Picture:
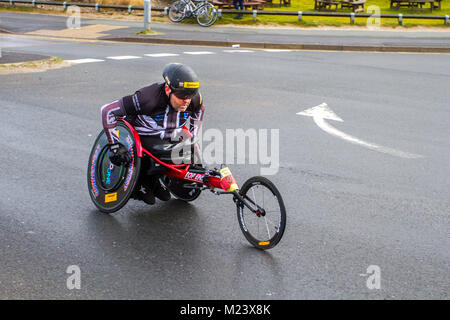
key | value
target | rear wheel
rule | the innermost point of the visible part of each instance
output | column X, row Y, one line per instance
column 177, row 11
column 181, row 189
column 265, row 228
column 207, row 15
column 111, row 186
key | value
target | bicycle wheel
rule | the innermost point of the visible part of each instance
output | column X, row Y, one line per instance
column 263, row 229
column 177, row 11
column 206, row 15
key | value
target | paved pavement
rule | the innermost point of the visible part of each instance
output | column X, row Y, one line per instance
column 348, row 207
column 291, row 36
column 226, row 36
column 17, row 57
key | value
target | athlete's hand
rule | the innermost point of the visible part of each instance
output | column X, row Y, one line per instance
column 119, row 155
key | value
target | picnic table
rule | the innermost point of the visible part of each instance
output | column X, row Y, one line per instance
column 355, row 5
column 282, row 2
column 415, row 4
column 326, row 4
column 228, row 4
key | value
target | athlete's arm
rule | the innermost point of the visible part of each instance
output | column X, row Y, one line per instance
column 110, row 112
column 196, row 117
column 127, row 106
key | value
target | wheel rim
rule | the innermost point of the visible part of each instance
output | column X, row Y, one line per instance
column 176, row 12
column 110, row 196
column 262, row 227
column 109, row 175
column 206, row 15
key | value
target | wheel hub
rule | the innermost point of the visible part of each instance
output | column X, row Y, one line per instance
column 260, row 213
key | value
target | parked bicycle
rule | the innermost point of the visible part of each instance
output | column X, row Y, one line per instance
column 204, row 11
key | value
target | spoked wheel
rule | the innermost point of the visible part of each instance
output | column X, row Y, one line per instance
column 179, row 190
column 265, row 228
column 207, row 15
column 176, row 11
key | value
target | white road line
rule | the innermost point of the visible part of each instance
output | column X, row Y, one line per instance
column 123, row 57
column 276, row 50
column 157, row 55
column 198, row 52
column 237, row 51
column 87, row 60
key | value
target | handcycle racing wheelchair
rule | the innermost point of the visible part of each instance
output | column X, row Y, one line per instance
column 260, row 209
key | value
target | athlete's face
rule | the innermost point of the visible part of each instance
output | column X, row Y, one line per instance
column 179, row 103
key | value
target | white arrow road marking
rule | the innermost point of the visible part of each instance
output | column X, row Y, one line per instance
column 322, row 111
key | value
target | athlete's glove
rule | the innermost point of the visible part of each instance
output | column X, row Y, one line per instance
column 119, row 155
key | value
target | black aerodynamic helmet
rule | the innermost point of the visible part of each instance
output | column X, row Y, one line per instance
column 181, row 79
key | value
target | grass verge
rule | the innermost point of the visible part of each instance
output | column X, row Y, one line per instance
column 33, row 66
column 274, row 21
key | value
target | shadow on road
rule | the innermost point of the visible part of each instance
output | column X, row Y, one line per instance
column 147, row 230
column 257, row 266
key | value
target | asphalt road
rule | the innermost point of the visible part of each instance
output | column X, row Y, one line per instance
column 23, row 23
column 348, row 207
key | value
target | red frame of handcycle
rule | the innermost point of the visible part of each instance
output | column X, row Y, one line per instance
column 179, row 171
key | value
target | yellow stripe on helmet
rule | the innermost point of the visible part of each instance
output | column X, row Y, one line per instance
column 191, row 85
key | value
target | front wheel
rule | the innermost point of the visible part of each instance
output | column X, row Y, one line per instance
column 265, row 228
column 177, row 11
column 207, row 15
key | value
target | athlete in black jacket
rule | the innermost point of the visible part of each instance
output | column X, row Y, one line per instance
column 158, row 113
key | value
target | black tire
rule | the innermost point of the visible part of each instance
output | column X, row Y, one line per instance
column 207, row 15
column 257, row 228
column 176, row 11
column 110, row 186
column 177, row 189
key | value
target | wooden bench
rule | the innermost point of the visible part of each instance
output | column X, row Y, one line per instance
column 326, row 5
column 415, row 4
column 223, row 4
column 355, row 5
column 255, row 4
column 228, row 4
column 278, row 3
column 437, row 5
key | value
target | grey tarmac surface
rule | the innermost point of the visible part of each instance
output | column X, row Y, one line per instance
column 22, row 23
column 14, row 57
column 348, row 207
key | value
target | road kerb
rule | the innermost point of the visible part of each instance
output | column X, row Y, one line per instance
column 291, row 46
